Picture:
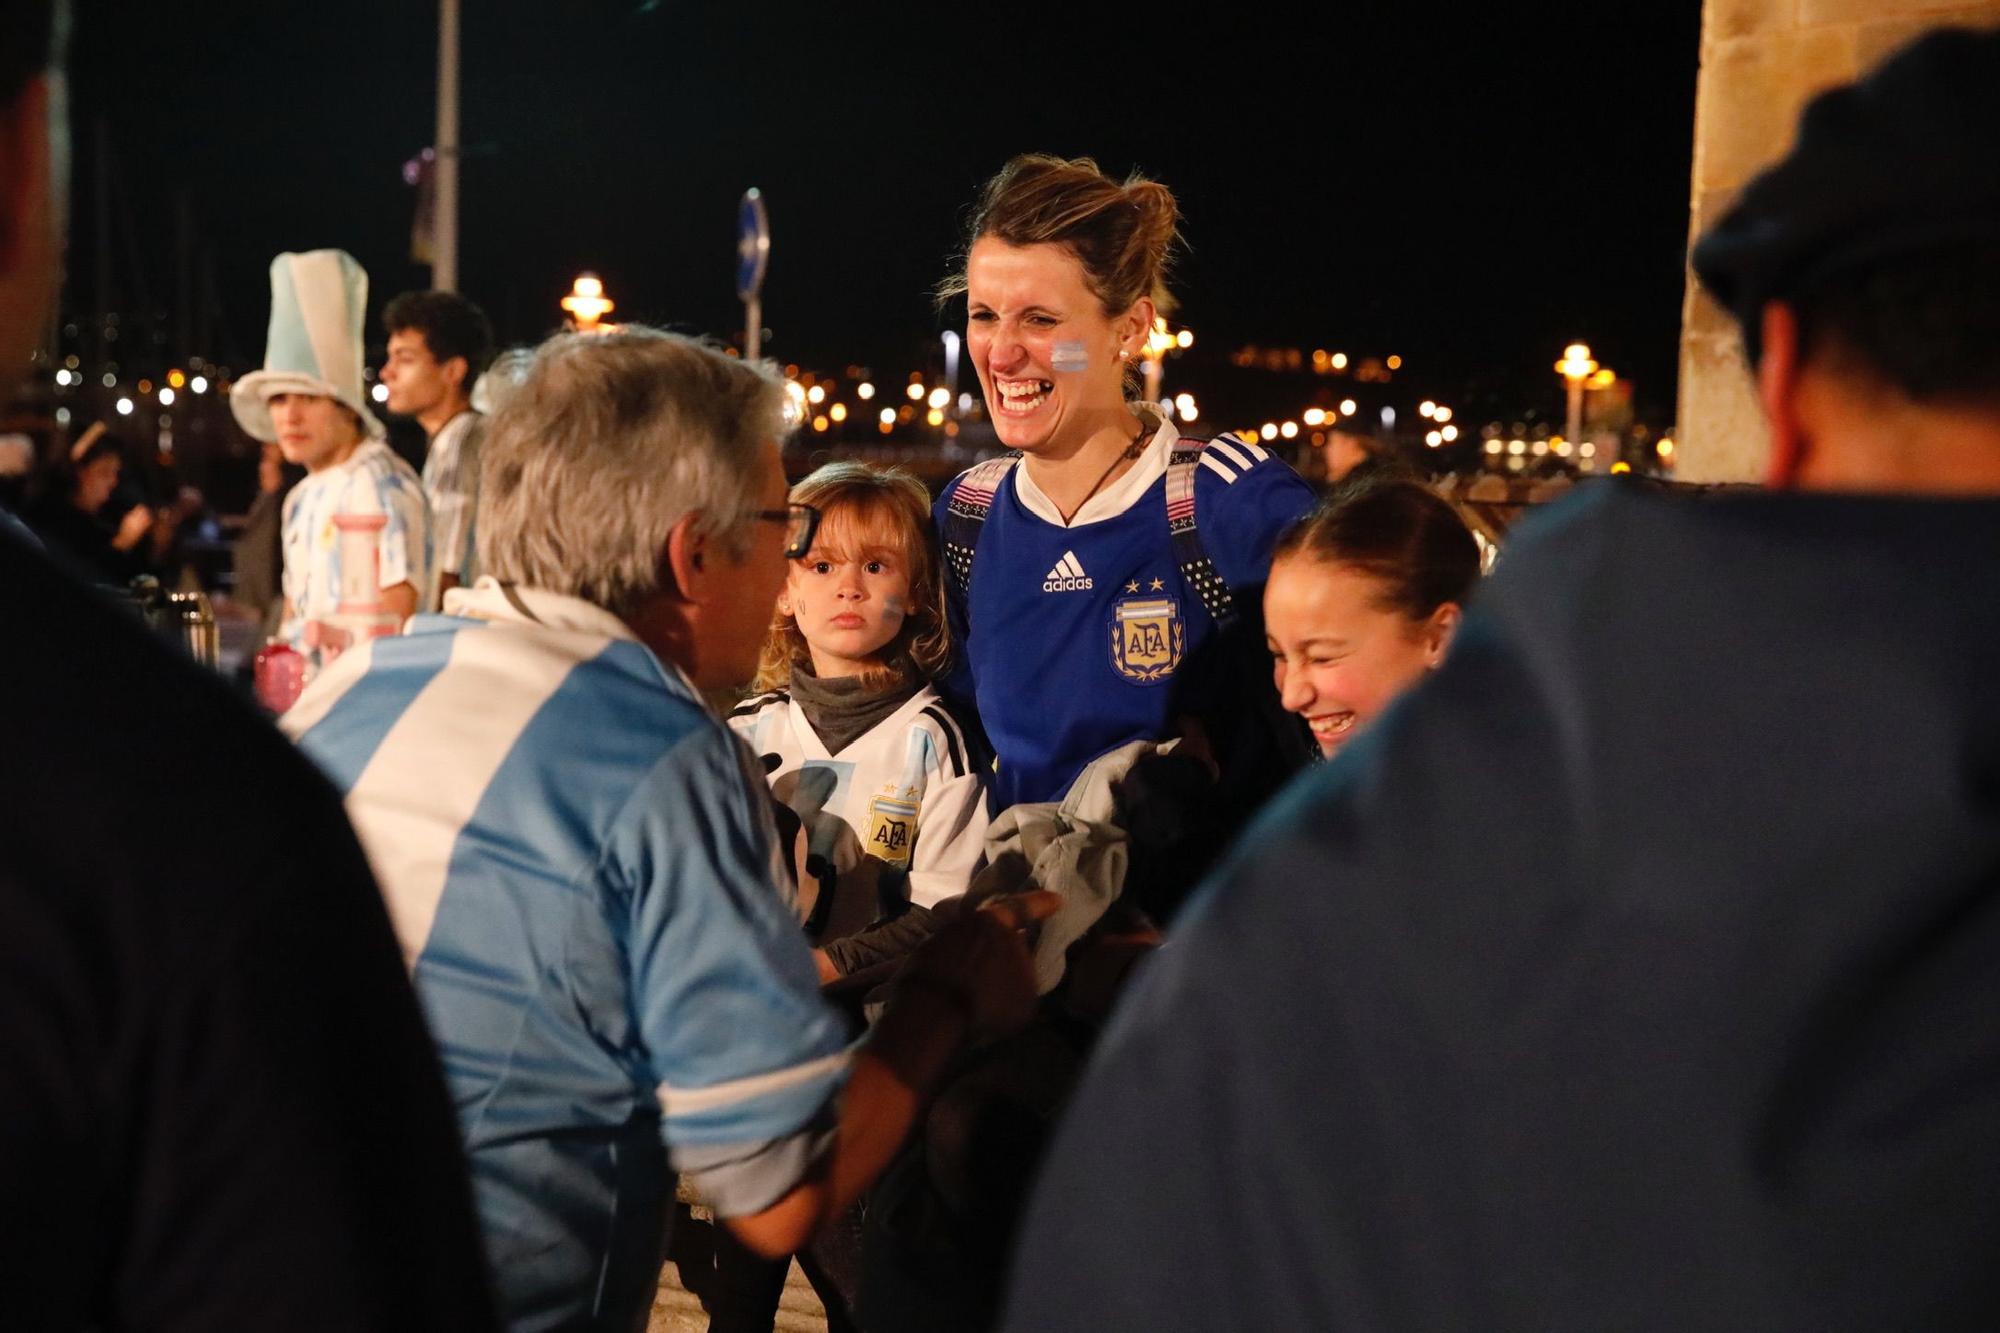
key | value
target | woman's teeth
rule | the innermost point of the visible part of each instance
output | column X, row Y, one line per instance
column 1023, row 395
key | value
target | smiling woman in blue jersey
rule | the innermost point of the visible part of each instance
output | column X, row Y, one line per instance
column 1087, row 567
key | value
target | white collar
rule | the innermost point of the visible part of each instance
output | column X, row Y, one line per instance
column 511, row 604
column 1119, row 497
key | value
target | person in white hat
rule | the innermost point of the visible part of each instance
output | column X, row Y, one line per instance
column 308, row 400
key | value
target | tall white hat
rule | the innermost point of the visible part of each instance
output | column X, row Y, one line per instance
column 319, row 301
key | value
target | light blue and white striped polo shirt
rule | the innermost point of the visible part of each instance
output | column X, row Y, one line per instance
column 577, row 858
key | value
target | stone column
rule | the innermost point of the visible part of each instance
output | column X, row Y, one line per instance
column 1761, row 62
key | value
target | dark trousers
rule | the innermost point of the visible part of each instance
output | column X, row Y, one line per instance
column 747, row 1287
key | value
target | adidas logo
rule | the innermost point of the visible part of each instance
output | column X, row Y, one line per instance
column 1067, row 576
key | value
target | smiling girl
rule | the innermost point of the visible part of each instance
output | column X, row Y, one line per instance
column 873, row 762
column 1364, row 598
column 1091, row 565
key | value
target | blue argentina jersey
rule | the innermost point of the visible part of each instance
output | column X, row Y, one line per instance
column 577, row 860
column 1075, row 635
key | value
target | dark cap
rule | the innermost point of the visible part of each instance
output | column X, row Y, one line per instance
column 1906, row 160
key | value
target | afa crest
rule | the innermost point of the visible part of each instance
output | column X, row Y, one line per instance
column 892, row 830
column 1148, row 636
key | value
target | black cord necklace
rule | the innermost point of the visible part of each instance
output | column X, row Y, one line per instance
column 1131, row 451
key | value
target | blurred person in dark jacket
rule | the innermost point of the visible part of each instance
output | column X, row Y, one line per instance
column 258, row 555
column 219, row 1107
column 1636, row 969
column 74, row 515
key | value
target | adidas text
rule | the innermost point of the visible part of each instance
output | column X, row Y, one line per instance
column 1067, row 576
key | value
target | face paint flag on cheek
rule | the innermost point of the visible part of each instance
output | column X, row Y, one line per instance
column 1069, row 356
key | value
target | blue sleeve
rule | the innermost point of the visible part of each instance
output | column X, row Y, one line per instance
column 1244, row 499
column 744, row 1051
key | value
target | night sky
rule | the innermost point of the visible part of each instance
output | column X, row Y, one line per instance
column 1468, row 186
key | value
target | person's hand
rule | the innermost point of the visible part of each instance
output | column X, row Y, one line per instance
column 980, row 961
column 1098, row 966
column 331, row 640
column 133, row 527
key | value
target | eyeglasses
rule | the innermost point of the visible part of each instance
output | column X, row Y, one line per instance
column 801, row 524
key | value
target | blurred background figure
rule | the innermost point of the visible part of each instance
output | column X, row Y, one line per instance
column 1352, row 453
column 74, row 515
column 439, row 344
column 17, row 469
column 258, row 557
column 309, row 400
column 491, row 390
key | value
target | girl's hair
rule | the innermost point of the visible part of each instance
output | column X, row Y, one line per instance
column 860, row 506
column 1122, row 234
column 1399, row 534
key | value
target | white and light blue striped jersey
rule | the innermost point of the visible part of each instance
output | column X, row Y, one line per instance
column 372, row 480
column 908, row 793
column 577, row 858
column 451, row 484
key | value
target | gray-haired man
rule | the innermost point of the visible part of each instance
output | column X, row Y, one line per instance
column 577, row 856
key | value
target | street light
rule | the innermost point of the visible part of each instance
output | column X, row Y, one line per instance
column 952, row 344
column 1575, row 367
column 1158, row 343
column 587, row 303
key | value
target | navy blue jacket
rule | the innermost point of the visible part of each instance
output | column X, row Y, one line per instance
column 1640, row 971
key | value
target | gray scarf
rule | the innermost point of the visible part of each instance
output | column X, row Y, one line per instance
column 842, row 710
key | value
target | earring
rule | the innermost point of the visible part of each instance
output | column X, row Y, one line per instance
column 1124, row 355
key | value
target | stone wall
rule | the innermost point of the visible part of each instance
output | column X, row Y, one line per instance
column 1761, row 62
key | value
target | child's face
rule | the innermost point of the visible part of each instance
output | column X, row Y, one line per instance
column 1338, row 657
column 849, row 599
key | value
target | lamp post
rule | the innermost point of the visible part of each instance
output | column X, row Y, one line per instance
column 952, row 344
column 444, row 200
column 1575, row 368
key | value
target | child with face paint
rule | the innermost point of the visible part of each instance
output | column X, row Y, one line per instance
column 882, row 774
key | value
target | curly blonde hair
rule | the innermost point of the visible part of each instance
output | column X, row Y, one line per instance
column 860, row 505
